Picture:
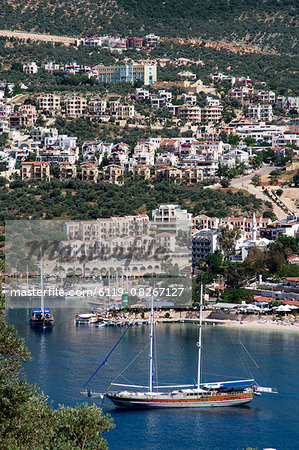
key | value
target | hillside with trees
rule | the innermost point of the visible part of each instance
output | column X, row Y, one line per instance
column 265, row 24
column 27, row 418
column 75, row 199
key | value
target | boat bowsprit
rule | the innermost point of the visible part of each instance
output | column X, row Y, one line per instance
column 89, row 393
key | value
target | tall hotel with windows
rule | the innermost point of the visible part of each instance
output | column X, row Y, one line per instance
column 128, row 73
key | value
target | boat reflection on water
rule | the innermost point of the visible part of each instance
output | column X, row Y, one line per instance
column 40, row 330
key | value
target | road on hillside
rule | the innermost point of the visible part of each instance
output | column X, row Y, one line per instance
column 218, row 45
column 37, row 36
column 245, row 183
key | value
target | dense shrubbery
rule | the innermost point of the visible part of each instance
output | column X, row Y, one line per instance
column 271, row 262
column 217, row 20
column 79, row 200
column 27, row 421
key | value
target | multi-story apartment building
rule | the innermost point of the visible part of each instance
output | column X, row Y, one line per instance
column 288, row 102
column 124, row 111
column 204, row 243
column 209, row 167
column 4, row 125
column 167, row 95
column 90, row 172
column 57, row 155
column 141, row 157
column 218, row 77
column 29, row 113
column 113, row 174
column 61, row 140
column 190, row 113
column 51, row 66
column 135, row 42
column 245, row 224
column 288, row 227
column 170, row 174
column 141, row 94
column 49, row 102
column 240, row 93
column 166, row 159
column 6, row 110
column 260, row 132
column 151, row 39
column 30, row 68
column 108, row 228
column 172, row 218
column 98, row 106
column 189, row 99
column 293, row 125
column 265, row 96
column 128, row 73
column 36, row 170
column 157, row 102
column 211, row 113
column 192, row 175
column 141, row 171
column 260, row 112
column 25, row 117
column 67, row 170
column 203, row 222
column 40, row 133
column 75, row 105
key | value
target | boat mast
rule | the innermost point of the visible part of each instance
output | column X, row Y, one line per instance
column 151, row 347
column 42, row 284
column 199, row 339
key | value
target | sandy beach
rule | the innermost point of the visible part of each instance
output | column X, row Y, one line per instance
column 264, row 325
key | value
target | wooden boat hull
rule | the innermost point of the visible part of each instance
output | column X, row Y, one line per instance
column 198, row 402
column 41, row 323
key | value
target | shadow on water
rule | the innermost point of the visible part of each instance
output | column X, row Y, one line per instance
column 39, row 331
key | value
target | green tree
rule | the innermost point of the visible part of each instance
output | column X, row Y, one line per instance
column 255, row 262
column 233, row 139
column 296, row 179
column 276, row 257
column 269, row 215
column 27, row 421
column 236, row 296
column 249, row 141
column 256, row 180
column 228, row 239
column 235, row 275
column 3, row 139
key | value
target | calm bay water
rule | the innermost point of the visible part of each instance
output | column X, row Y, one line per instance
column 66, row 356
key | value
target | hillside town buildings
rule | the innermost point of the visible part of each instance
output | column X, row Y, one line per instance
column 128, row 73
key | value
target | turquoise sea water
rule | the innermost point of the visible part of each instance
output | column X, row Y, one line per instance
column 66, row 356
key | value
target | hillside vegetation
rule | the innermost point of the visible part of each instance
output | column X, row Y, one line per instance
column 74, row 199
column 268, row 23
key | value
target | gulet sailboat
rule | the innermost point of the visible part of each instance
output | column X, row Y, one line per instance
column 227, row 393
column 41, row 317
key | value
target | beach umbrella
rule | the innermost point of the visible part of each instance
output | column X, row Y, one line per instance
column 292, row 306
column 283, row 308
column 253, row 308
